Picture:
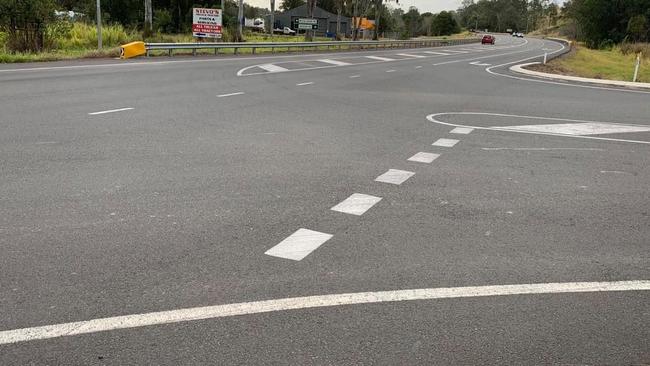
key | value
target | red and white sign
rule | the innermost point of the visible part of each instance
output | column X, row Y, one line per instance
column 206, row 23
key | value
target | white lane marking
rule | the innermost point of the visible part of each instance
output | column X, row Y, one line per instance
column 110, row 111
column 579, row 129
column 432, row 118
column 390, row 70
column 424, row 157
column 615, row 172
column 394, row 176
column 334, row 62
column 272, row 68
column 478, row 63
column 540, row 148
column 379, row 58
column 299, row 244
column 410, row 55
column 445, row 142
column 309, row 302
column 437, row 53
column 356, row 204
column 462, row 130
column 455, row 51
column 307, row 83
column 355, row 76
column 418, row 67
column 229, row 95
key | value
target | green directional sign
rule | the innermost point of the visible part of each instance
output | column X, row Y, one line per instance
column 307, row 26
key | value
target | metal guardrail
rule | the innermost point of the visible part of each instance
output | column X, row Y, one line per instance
column 349, row 45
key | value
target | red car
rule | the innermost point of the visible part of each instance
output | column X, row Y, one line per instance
column 487, row 39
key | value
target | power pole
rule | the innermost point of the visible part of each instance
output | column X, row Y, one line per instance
column 272, row 18
column 99, row 25
column 240, row 20
column 148, row 18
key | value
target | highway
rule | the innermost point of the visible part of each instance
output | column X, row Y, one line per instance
column 393, row 207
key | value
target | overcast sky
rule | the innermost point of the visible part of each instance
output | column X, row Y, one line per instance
column 433, row 6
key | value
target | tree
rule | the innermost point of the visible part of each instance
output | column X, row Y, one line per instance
column 444, row 24
column 637, row 28
column 25, row 22
column 291, row 4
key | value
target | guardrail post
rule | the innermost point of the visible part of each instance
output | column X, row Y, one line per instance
column 272, row 49
column 253, row 50
column 170, row 52
column 235, row 50
column 193, row 51
column 216, row 51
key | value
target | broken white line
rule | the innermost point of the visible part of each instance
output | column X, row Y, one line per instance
column 394, row 176
column 334, row 62
column 299, row 244
column 380, row 58
column 462, row 130
column 356, row 204
column 424, row 157
column 110, row 111
column 307, row 83
column 445, row 142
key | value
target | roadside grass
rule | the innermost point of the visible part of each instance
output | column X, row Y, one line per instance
column 600, row 64
column 68, row 41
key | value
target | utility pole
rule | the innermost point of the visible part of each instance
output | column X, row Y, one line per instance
column 99, row 25
column 272, row 18
column 240, row 21
column 148, row 18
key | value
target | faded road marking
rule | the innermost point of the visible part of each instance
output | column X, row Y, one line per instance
column 229, row 95
column 424, row 157
column 110, row 111
column 445, row 142
column 462, row 130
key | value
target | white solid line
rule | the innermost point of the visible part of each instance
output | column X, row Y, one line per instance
column 272, row 68
column 540, row 148
column 432, row 118
column 355, row 76
column 390, row 70
column 424, row 157
column 445, row 142
column 356, row 204
column 307, row 83
column 394, row 176
column 110, row 111
column 334, row 62
column 455, row 51
column 380, row 58
column 462, row 130
column 229, row 95
column 410, row 55
column 299, row 244
column 310, row 302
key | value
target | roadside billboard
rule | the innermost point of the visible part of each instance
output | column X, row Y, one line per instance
column 206, row 23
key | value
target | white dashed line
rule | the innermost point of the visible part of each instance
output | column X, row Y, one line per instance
column 424, row 157
column 309, row 302
column 390, row 70
column 299, row 244
column 410, row 55
column 272, row 68
column 334, row 62
column 462, row 130
column 380, row 58
column 355, row 76
column 356, row 204
column 418, row 67
column 445, row 142
column 229, row 95
column 110, row 111
column 394, row 176
column 307, row 83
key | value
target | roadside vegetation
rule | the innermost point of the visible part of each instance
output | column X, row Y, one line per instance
column 46, row 30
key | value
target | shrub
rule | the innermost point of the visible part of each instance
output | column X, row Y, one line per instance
column 635, row 48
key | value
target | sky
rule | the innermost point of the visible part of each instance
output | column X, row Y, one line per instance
column 424, row 6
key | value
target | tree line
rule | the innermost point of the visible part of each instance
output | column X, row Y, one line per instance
column 28, row 22
column 598, row 23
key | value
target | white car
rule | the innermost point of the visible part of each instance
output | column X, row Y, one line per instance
column 285, row 30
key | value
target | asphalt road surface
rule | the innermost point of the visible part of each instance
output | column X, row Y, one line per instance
column 418, row 206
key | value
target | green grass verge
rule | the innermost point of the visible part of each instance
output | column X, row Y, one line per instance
column 601, row 64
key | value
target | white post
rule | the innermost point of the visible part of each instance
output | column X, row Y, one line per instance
column 99, row 25
column 545, row 57
column 636, row 67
